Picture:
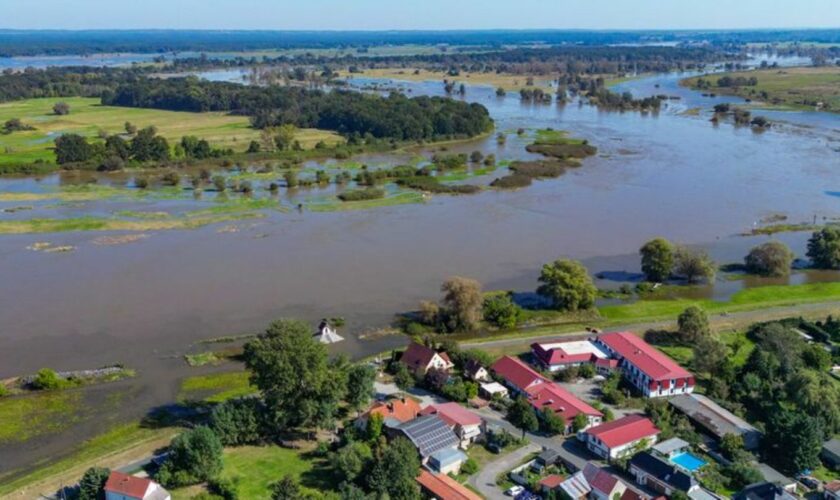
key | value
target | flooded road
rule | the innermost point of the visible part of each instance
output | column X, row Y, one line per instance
column 147, row 303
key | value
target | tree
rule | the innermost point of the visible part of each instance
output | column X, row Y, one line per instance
column 290, row 176
column 238, row 421
column 285, row 136
column 580, row 422
column 521, row 414
column 289, row 366
column 360, row 390
column 287, row 488
column 351, row 460
column 693, row 264
column 731, row 444
column 47, row 380
column 568, row 285
column 130, row 128
column 461, row 303
column 92, row 484
column 392, row 474
column 657, row 259
column 710, row 355
column 793, row 440
column 61, row 108
column 403, row 377
column 824, row 248
column 72, row 148
column 741, row 473
column 195, row 456
column 375, row 424
column 501, row 311
column 148, row 146
column 693, row 324
column 773, row 258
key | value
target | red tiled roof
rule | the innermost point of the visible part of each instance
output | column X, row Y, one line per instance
column 126, row 485
column 629, row 494
column 563, row 402
column 558, row 355
column 453, row 414
column 645, row 357
column 400, row 409
column 552, row 481
column 443, row 486
column 516, row 373
column 833, row 486
column 624, row 430
column 599, row 479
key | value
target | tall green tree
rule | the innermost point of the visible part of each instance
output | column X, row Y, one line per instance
column 568, row 285
column 824, row 248
column 92, row 484
column 462, row 299
column 693, row 265
column 72, row 148
column 195, row 456
column 693, row 325
column 521, row 414
column 290, row 368
column 393, row 472
column 288, row 488
column 793, row 440
column 773, row 258
column 360, row 379
column 657, row 259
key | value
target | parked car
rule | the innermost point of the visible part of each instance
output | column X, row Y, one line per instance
column 811, row 482
column 513, row 491
column 494, row 448
column 527, row 495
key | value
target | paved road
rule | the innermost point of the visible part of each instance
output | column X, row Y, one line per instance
column 485, row 480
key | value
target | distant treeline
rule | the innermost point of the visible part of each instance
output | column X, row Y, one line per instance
column 63, row 82
column 350, row 113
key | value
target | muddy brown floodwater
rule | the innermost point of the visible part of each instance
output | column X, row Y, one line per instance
column 148, row 302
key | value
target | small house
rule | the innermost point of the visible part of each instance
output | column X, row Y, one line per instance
column 491, row 390
column 420, row 359
column 620, row 437
column 474, row 371
column 764, row 491
column 121, row 486
column 443, row 487
column 661, row 476
column 394, row 412
column 447, row 460
column 603, row 485
column 549, row 483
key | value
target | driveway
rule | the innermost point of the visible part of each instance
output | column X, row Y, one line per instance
column 485, row 480
column 590, row 390
column 425, row 397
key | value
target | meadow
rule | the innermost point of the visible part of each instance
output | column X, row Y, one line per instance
column 88, row 117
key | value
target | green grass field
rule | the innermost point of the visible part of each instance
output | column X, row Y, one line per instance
column 31, row 415
column 87, row 117
column 785, row 86
column 216, row 387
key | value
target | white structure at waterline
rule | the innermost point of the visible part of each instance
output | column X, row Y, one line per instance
column 327, row 334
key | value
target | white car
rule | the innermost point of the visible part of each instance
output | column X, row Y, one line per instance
column 514, row 490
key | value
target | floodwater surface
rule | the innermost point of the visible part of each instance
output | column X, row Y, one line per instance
column 148, row 302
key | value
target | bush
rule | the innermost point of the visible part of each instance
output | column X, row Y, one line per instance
column 568, row 284
column 362, row 194
column 538, row 169
column 227, row 489
column 469, row 467
column 48, row 380
column 432, row 185
column 92, row 484
column 238, row 421
column 500, row 310
column 512, row 181
column 824, row 248
column 61, row 108
column 773, row 258
column 195, row 456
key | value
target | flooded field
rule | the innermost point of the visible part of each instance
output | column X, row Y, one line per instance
column 146, row 301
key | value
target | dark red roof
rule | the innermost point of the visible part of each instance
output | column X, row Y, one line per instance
column 452, row 414
column 418, row 356
column 517, row 373
column 126, row 485
column 443, row 486
column 623, row 431
column 645, row 357
column 558, row 356
column 561, row 401
column 599, row 479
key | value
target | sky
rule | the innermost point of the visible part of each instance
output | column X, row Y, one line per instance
column 418, row 14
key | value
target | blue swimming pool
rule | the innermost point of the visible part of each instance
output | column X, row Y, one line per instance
column 688, row 461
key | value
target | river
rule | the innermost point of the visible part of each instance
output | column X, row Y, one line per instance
column 147, row 303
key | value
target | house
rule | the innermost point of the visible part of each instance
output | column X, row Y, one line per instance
column 548, row 457
column 121, row 486
column 715, row 420
column 550, row 483
column 603, row 485
column 661, row 476
column 420, row 359
column 447, row 460
column 443, row 487
column 651, row 372
column 555, row 356
column 326, row 334
column 394, row 412
column 467, row 425
column 830, row 453
column 491, row 390
column 771, row 475
column 474, row 371
column 831, row 490
column 618, row 438
column 763, row 491
column 562, row 403
column 428, row 433
column 517, row 376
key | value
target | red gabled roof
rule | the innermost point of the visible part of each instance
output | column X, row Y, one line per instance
column 126, row 485
column 629, row 494
column 558, row 355
column 404, row 409
column 561, row 401
column 443, row 486
column 645, row 357
column 552, row 481
column 453, row 414
column 624, row 430
column 516, row 373
column 419, row 356
column 599, row 479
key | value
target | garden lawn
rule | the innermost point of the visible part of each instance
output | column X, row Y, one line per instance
column 258, row 467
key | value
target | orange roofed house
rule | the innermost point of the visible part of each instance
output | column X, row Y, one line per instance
column 420, row 359
column 394, row 411
column 125, row 487
column 443, row 487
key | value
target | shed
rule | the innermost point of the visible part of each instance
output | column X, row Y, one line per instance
column 830, row 452
column 447, row 460
column 715, row 419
